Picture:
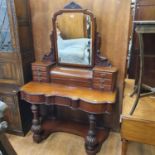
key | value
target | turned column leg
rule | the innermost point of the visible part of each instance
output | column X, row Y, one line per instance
column 124, row 146
column 36, row 126
column 91, row 140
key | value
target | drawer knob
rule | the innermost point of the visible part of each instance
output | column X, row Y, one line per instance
column 102, row 80
column 14, row 91
column 101, row 86
column 103, row 75
column 39, row 72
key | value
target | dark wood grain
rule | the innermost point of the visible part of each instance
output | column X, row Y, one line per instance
column 71, row 76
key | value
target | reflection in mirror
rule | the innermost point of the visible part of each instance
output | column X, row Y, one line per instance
column 5, row 36
column 74, row 38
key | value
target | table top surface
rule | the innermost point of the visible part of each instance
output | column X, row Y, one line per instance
column 83, row 93
column 145, row 109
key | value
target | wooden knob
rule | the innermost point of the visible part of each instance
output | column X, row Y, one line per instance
column 102, row 80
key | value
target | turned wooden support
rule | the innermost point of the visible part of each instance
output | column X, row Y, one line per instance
column 91, row 140
column 124, row 146
column 36, row 125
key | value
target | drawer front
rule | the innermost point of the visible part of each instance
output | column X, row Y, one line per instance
column 40, row 76
column 102, row 81
column 40, row 79
column 39, row 68
column 40, row 73
column 102, row 75
column 71, row 82
column 102, row 86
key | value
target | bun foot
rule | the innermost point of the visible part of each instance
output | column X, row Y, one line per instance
column 37, row 138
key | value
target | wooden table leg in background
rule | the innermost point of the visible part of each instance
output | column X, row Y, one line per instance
column 124, row 146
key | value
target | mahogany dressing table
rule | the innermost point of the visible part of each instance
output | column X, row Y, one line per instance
column 73, row 75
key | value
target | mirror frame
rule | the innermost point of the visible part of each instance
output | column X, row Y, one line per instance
column 74, row 8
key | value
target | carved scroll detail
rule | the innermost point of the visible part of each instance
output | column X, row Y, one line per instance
column 100, row 60
column 51, row 55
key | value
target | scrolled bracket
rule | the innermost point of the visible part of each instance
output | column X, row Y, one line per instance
column 100, row 60
column 50, row 57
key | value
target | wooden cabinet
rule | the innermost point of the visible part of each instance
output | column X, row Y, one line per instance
column 16, row 55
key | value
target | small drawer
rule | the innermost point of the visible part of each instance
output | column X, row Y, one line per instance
column 39, row 73
column 102, row 74
column 40, row 76
column 42, row 66
column 39, row 68
column 40, row 79
column 102, row 81
column 102, row 86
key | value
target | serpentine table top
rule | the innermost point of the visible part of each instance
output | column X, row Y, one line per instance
column 83, row 93
column 89, row 99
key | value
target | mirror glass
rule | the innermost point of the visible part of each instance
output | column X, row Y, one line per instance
column 74, row 38
column 5, row 36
